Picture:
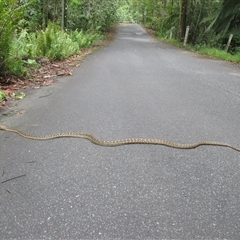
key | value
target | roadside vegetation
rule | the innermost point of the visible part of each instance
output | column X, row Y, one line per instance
column 53, row 29
column 35, row 33
column 210, row 23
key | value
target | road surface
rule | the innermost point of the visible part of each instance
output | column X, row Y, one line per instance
column 134, row 87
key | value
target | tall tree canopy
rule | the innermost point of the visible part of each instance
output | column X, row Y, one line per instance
column 165, row 16
column 81, row 14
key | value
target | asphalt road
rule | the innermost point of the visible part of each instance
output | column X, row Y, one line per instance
column 134, row 87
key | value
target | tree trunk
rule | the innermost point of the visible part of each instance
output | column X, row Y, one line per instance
column 164, row 4
column 182, row 19
column 198, row 22
column 44, row 14
column 64, row 14
column 88, row 9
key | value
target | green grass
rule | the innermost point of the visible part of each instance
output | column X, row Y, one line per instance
column 218, row 53
column 208, row 51
column 172, row 41
column 2, row 95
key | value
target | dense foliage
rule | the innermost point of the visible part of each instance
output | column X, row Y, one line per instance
column 210, row 21
column 79, row 14
column 10, row 13
column 49, row 28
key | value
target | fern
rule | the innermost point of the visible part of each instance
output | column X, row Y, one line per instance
column 51, row 42
column 10, row 14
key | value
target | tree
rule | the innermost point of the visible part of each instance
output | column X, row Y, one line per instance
column 64, row 14
column 182, row 18
column 227, row 17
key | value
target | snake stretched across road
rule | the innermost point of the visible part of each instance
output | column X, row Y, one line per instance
column 118, row 142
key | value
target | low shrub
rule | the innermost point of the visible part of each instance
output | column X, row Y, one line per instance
column 52, row 42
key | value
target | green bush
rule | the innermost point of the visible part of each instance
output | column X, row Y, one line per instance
column 10, row 13
column 17, row 68
column 52, row 42
column 84, row 39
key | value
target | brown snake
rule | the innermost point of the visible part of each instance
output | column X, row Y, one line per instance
column 96, row 141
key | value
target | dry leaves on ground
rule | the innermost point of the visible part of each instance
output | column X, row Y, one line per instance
column 43, row 75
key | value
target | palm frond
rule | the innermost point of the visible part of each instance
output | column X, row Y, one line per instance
column 227, row 17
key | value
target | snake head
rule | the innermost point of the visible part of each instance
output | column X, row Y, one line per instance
column 2, row 127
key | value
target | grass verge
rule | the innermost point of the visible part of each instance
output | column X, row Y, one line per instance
column 205, row 50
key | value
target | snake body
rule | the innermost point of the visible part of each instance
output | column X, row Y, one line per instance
column 97, row 141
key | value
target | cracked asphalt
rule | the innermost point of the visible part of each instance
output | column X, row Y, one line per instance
column 134, row 87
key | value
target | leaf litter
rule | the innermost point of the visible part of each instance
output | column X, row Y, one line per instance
column 13, row 88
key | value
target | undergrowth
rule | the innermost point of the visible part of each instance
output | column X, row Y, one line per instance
column 52, row 42
column 214, row 52
column 206, row 50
